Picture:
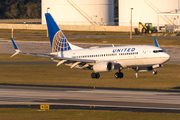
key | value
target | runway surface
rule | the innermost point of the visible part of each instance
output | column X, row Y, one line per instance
column 90, row 98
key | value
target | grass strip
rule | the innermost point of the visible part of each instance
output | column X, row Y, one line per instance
column 34, row 114
column 168, row 77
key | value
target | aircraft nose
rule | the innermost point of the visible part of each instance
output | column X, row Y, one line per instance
column 167, row 56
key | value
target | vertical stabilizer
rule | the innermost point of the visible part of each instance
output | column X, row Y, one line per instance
column 156, row 42
column 59, row 42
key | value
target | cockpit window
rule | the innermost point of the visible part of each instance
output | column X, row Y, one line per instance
column 157, row 51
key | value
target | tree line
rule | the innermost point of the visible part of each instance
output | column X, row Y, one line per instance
column 28, row 9
column 116, row 9
column 20, row 9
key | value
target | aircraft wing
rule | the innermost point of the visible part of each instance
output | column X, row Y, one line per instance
column 61, row 60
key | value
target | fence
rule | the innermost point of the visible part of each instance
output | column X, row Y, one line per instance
column 80, row 25
column 39, row 21
column 84, row 23
column 67, row 27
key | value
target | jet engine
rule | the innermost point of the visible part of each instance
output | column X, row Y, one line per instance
column 104, row 66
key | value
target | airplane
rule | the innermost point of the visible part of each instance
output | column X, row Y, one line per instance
column 141, row 58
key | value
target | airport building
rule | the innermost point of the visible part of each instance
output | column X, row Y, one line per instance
column 101, row 12
column 79, row 12
column 98, row 15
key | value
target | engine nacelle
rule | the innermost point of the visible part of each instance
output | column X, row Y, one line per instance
column 104, row 66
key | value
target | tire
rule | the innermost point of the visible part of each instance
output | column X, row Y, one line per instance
column 154, row 72
column 116, row 75
column 97, row 75
column 93, row 75
column 121, row 75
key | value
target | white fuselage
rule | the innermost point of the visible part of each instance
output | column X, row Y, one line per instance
column 127, row 56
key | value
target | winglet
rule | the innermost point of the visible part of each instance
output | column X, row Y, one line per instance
column 15, row 47
column 156, row 43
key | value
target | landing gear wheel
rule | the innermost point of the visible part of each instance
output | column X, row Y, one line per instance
column 154, row 72
column 95, row 75
column 118, row 75
column 121, row 75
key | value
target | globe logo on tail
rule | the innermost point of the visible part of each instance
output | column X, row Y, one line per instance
column 60, row 43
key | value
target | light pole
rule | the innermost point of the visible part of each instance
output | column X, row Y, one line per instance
column 47, row 9
column 131, row 25
column 46, row 23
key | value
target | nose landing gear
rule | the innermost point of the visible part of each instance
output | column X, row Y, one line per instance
column 154, row 72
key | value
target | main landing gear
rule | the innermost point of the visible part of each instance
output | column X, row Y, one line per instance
column 95, row 75
column 118, row 74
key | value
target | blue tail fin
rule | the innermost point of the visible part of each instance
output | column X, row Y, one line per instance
column 156, row 43
column 57, row 38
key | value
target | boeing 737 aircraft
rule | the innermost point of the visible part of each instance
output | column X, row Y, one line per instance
column 141, row 58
